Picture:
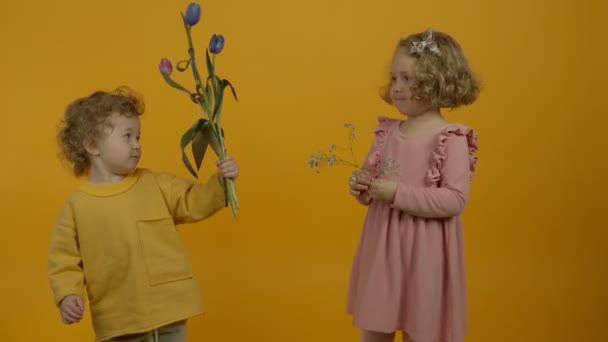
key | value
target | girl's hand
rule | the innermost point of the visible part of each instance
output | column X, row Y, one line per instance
column 71, row 309
column 227, row 168
column 383, row 190
column 359, row 182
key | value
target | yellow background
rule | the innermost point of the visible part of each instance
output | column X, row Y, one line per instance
column 536, row 226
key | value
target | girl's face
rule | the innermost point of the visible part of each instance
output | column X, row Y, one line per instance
column 402, row 79
column 119, row 150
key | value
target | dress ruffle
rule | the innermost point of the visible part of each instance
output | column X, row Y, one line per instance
column 380, row 131
column 439, row 154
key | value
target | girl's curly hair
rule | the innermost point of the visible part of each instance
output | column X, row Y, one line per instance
column 84, row 121
column 444, row 79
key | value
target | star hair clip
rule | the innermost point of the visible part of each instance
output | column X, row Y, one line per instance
column 427, row 42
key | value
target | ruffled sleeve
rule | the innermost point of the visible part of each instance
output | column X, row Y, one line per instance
column 452, row 165
column 373, row 159
column 381, row 132
column 439, row 153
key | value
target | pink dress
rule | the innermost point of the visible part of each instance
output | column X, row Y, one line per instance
column 408, row 270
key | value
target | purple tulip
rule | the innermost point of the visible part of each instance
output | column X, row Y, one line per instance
column 193, row 14
column 216, row 44
column 165, row 66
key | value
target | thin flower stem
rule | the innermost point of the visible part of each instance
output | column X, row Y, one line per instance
column 354, row 158
column 174, row 84
column 195, row 73
column 347, row 163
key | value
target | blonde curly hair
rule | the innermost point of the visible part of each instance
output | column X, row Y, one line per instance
column 443, row 79
column 85, row 119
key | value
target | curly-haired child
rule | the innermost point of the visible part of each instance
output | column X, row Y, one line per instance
column 408, row 270
column 115, row 240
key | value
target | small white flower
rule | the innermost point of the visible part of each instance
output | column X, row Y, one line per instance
column 331, row 159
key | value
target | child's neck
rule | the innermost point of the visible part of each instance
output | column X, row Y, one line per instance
column 99, row 175
column 423, row 122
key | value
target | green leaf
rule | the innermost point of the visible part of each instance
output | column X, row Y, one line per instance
column 219, row 95
column 208, row 79
column 208, row 93
column 186, row 139
column 210, row 70
column 199, row 144
column 226, row 83
column 215, row 142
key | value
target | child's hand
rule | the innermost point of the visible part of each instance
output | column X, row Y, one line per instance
column 71, row 309
column 228, row 168
column 359, row 182
column 383, row 190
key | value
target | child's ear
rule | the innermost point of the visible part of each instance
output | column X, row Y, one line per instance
column 91, row 147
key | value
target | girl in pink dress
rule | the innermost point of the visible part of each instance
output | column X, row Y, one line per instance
column 408, row 271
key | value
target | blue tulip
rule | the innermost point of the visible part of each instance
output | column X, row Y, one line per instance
column 216, row 44
column 193, row 14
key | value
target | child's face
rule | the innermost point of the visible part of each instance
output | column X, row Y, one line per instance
column 119, row 150
column 402, row 79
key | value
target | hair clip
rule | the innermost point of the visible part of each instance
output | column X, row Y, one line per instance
column 426, row 43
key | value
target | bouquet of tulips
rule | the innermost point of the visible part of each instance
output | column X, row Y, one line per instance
column 208, row 96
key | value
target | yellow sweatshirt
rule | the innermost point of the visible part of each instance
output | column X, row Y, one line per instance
column 120, row 242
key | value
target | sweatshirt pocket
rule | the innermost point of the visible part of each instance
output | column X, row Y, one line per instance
column 163, row 252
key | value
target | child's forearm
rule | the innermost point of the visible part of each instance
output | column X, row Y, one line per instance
column 64, row 269
column 197, row 201
column 430, row 202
